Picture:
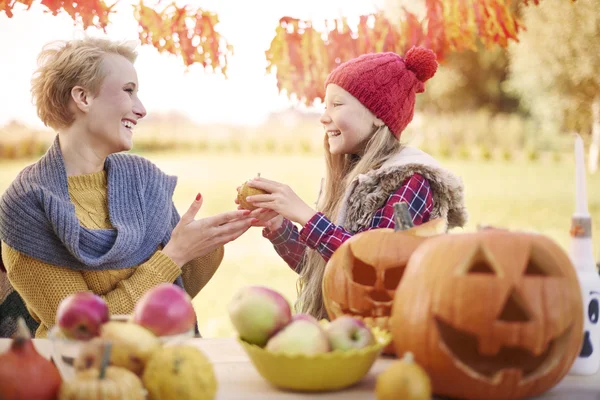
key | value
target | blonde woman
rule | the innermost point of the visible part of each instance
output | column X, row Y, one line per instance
column 89, row 217
column 369, row 102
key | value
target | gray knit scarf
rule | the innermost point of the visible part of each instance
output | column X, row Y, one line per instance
column 38, row 219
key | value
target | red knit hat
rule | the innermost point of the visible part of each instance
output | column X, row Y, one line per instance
column 386, row 83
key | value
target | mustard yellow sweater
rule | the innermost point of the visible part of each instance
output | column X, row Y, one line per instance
column 43, row 286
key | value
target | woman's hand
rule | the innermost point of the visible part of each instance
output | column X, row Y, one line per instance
column 280, row 199
column 193, row 238
column 263, row 217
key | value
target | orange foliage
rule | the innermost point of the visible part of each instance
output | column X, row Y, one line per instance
column 87, row 12
column 301, row 65
column 187, row 32
column 301, row 55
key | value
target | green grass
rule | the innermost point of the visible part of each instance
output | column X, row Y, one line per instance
column 528, row 196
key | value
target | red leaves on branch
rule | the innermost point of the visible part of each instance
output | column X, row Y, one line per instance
column 7, row 5
column 448, row 26
column 86, row 12
column 301, row 55
column 188, row 33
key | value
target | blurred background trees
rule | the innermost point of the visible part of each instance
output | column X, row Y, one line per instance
column 555, row 69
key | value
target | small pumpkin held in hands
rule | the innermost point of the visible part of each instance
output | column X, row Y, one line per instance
column 24, row 373
column 489, row 315
column 245, row 191
column 361, row 277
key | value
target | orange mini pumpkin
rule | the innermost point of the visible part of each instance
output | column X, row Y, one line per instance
column 489, row 315
column 361, row 277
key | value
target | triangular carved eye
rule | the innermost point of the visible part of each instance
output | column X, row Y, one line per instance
column 534, row 269
column 478, row 261
column 480, row 264
column 392, row 276
column 541, row 263
column 363, row 273
column 481, row 267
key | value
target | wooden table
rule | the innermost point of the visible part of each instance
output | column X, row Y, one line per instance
column 239, row 380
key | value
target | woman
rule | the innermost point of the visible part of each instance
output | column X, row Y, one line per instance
column 87, row 217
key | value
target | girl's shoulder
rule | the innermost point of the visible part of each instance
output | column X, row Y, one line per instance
column 407, row 156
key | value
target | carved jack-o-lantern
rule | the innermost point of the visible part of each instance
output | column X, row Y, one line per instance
column 489, row 315
column 361, row 277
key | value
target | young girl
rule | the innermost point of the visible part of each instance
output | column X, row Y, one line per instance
column 369, row 101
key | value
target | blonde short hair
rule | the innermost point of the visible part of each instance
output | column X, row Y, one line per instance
column 63, row 65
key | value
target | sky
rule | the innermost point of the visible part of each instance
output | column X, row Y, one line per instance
column 247, row 96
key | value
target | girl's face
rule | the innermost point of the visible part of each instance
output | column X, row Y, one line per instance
column 348, row 124
column 115, row 110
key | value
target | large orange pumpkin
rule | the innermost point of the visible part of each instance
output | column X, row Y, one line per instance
column 489, row 315
column 361, row 277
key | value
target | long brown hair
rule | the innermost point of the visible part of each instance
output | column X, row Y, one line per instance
column 340, row 171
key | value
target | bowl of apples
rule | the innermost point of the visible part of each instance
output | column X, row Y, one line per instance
column 298, row 352
column 164, row 315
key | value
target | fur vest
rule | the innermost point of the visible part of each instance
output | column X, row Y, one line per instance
column 369, row 192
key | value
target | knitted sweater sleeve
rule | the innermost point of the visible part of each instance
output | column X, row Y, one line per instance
column 43, row 286
column 199, row 271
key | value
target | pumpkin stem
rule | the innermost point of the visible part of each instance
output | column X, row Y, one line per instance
column 22, row 333
column 408, row 357
column 402, row 218
column 105, row 359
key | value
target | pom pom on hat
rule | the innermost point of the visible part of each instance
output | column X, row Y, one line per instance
column 422, row 62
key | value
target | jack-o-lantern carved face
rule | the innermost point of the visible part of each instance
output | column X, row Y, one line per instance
column 361, row 277
column 494, row 314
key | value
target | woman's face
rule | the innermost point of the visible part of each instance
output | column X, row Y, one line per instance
column 347, row 123
column 115, row 110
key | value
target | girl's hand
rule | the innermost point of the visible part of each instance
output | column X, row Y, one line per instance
column 193, row 238
column 281, row 199
column 263, row 217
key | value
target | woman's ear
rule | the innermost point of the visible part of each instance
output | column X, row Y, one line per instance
column 378, row 122
column 81, row 98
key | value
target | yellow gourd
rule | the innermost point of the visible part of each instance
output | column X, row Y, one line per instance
column 101, row 381
column 179, row 372
column 403, row 379
column 116, row 384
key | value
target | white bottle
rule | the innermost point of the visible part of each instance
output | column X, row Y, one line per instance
column 582, row 257
column 588, row 361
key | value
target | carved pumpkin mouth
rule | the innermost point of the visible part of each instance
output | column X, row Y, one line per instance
column 463, row 347
column 378, row 316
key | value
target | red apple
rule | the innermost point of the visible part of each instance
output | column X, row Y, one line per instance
column 81, row 315
column 258, row 312
column 347, row 333
column 305, row 317
column 301, row 336
column 165, row 310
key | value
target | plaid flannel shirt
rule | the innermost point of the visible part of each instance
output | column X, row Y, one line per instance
column 321, row 234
